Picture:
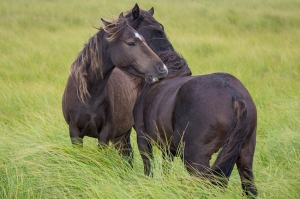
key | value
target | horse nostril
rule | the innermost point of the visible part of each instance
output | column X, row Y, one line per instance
column 162, row 69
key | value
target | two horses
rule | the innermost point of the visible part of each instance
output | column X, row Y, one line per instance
column 204, row 113
column 101, row 107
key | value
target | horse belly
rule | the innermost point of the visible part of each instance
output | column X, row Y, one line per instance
column 123, row 121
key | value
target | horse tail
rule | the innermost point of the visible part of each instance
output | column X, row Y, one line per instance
column 227, row 157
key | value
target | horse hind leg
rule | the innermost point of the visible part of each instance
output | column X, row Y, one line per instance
column 196, row 158
column 244, row 164
column 194, row 151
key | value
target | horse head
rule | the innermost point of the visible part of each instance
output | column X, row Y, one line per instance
column 155, row 36
column 129, row 51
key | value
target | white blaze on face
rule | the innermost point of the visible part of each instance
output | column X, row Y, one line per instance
column 137, row 35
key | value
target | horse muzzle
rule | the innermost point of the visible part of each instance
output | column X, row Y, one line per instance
column 161, row 73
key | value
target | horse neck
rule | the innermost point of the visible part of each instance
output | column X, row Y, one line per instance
column 98, row 79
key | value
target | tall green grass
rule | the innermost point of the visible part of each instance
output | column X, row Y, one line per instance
column 257, row 41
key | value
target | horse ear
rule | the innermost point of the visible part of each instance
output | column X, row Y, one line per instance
column 106, row 23
column 121, row 16
column 151, row 11
column 135, row 12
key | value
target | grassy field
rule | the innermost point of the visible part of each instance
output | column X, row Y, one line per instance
column 257, row 41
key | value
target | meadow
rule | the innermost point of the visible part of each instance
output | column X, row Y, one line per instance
column 258, row 41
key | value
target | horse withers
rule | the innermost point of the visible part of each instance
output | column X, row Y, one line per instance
column 89, row 105
column 205, row 114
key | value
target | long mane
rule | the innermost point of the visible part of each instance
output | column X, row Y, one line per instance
column 160, row 44
column 176, row 64
column 87, row 67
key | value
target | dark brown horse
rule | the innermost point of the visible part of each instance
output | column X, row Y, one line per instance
column 204, row 113
column 92, row 107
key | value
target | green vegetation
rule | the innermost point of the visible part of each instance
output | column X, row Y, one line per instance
column 257, row 41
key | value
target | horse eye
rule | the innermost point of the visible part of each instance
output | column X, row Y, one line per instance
column 131, row 44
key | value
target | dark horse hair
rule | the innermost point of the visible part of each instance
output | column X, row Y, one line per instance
column 88, row 64
column 159, row 43
column 89, row 59
column 98, row 99
column 205, row 114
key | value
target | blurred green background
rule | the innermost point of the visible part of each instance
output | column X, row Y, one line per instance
column 257, row 41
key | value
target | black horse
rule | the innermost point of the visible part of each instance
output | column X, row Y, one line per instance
column 204, row 113
column 91, row 107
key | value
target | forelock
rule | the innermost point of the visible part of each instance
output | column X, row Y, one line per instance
column 115, row 29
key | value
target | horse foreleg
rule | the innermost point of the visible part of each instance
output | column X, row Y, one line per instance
column 146, row 152
column 128, row 151
column 124, row 147
column 104, row 136
column 74, row 135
